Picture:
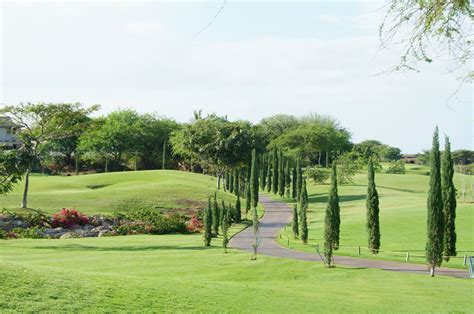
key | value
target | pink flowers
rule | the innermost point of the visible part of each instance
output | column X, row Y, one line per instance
column 69, row 218
column 193, row 225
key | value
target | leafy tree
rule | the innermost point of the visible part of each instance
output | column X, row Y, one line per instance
column 372, row 204
column 430, row 27
column 294, row 223
column 216, row 218
column 435, row 223
column 463, row 157
column 348, row 165
column 303, row 213
column 449, row 202
column 215, row 142
column 40, row 124
column 318, row 174
column 208, row 221
column 275, row 171
column 13, row 165
column 254, row 179
column 397, row 167
column 332, row 220
column 277, row 125
column 281, row 175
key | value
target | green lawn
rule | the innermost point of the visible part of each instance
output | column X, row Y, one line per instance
column 121, row 191
column 177, row 273
column 402, row 217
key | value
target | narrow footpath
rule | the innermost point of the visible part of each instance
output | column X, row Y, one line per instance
column 278, row 215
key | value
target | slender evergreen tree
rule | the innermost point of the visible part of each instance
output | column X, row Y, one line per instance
column 332, row 220
column 222, row 210
column 215, row 216
column 225, row 227
column 248, row 198
column 294, row 225
column 275, row 171
column 449, row 202
column 208, row 223
column 238, row 213
column 226, row 185
column 263, row 172
column 281, row 175
column 163, row 165
column 255, row 225
column 254, row 179
column 237, row 181
column 303, row 213
column 294, row 191
column 435, row 221
column 288, row 178
column 231, row 181
column 372, row 204
column 299, row 178
column 269, row 175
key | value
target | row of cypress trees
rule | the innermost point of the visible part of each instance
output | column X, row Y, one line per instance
column 441, row 205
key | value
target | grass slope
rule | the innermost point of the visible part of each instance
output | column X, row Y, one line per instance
column 402, row 217
column 121, row 191
column 177, row 273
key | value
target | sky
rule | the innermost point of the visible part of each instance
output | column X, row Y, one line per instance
column 256, row 59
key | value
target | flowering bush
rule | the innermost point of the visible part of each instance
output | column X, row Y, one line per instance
column 194, row 224
column 135, row 227
column 67, row 218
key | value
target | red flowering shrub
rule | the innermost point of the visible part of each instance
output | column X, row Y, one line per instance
column 68, row 218
column 194, row 224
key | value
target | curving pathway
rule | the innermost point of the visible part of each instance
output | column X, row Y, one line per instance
column 278, row 215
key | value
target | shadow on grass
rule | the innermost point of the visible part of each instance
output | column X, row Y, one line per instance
column 323, row 198
column 394, row 189
column 79, row 247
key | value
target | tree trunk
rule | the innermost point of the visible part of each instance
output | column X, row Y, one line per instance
column 24, row 203
column 327, row 159
column 218, row 182
column 432, row 271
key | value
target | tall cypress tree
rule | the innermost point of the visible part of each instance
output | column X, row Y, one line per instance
column 248, row 198
column 208, row 223
column 449, row 202
column 294, row 192
column 269, row 175
column 294, row 225
column 281, row 175
column 332, row 220
column 299, row 178
column 237, row 181
column 435, row 221
column 288, row 178
column 215, row 216
column 303, row 213
column 263, row 172
column 254, row 179
column 275, row 172
column 372, row 204
column 227, row 185
column 225, row 227
column 238, row 213
column 231, row 179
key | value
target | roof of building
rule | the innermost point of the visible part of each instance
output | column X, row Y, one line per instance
column 7, row 122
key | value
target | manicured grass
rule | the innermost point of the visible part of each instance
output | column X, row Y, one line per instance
column 118, row 191
column 177, row 273
column 402, row 217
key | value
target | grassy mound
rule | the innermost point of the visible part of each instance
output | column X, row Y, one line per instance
column 118, row 191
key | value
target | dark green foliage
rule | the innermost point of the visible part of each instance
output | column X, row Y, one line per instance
column 332, row 220
column 269, row 175
column 449, row 202
column 263, row 172
column 294, row 224
column 372, row 204
column 222, row 210
column 231, row 181
column 435, row 221
column 254, row 179
column 275, row 172
column 163, row 165
column 225, row 227
column 227, row 180
column 294, row 192
column 237, row 182
column 238, row 213
column 288, row 178
column 281, row 175
column 208, row 223
column 248, row 198
column 303, row 213
column 397, row 167
column 299, row 178
column 318, row 174
column 216, row 219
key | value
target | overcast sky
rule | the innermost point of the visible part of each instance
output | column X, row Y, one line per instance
column 255, row 60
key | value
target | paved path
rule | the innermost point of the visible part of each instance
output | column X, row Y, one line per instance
column 278, row 215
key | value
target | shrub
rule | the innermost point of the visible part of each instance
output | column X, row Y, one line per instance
column 318, row 174
column 397, row 167
column 29, row 233
column 175, row 223
column 194, row 225
column 67, row 218
column 135, row 227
